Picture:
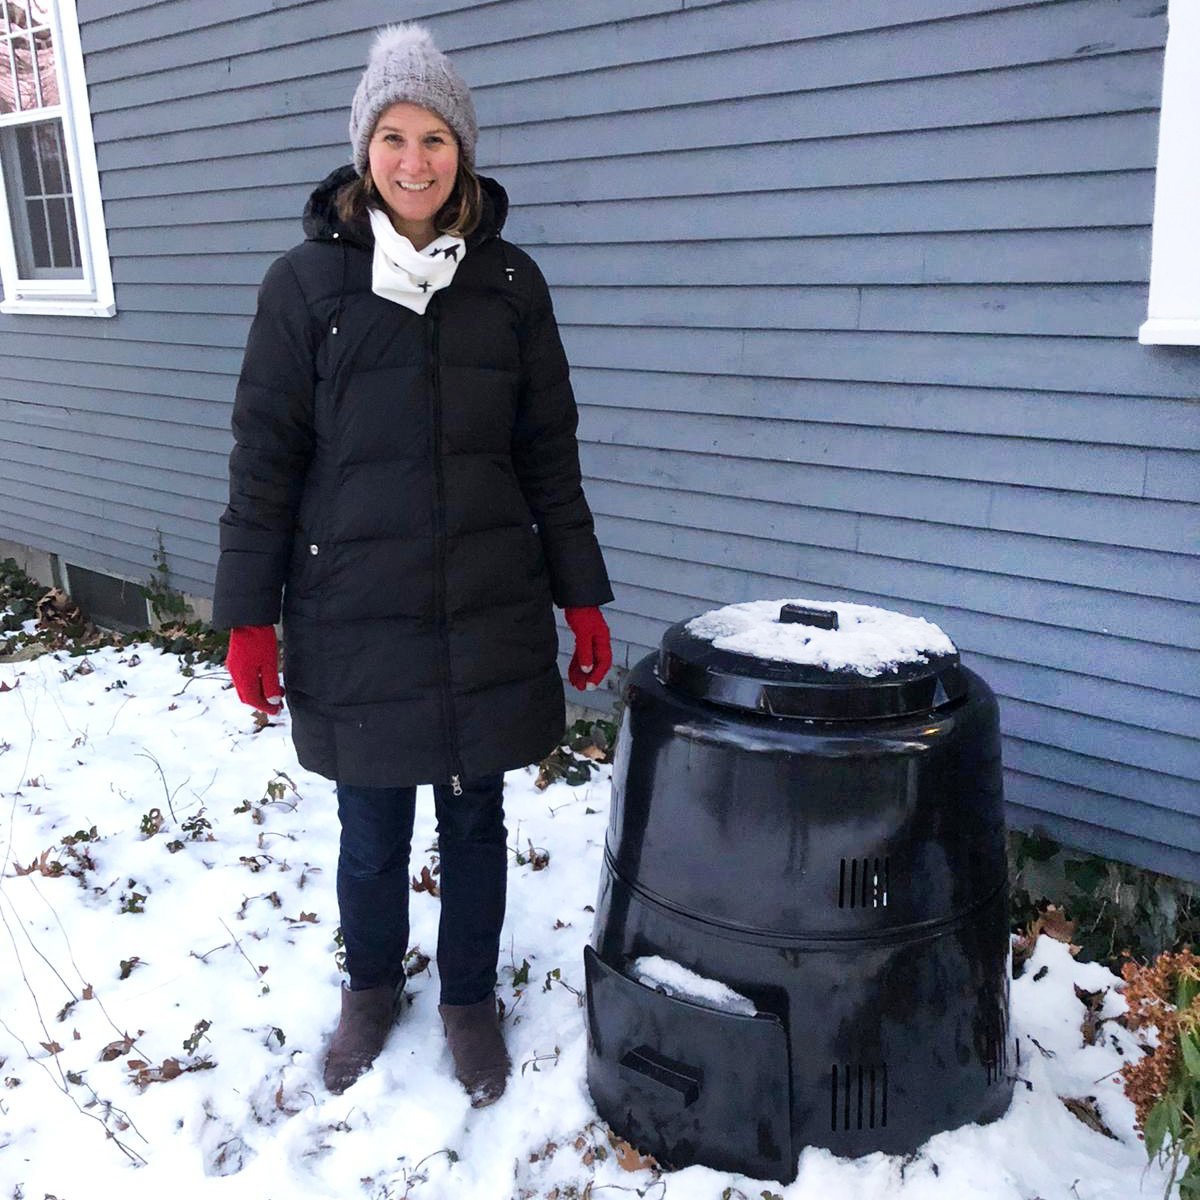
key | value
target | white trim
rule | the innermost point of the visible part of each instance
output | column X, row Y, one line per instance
column 1173, row 317
column 93, row 295
column 59, row 308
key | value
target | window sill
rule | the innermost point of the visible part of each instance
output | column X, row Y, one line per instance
column 1159, row 331
column 58, row 308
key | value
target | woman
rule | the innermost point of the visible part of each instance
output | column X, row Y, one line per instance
column 406, row 477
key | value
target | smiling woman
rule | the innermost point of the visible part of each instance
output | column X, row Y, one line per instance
column 405, row 491
column 413, row 160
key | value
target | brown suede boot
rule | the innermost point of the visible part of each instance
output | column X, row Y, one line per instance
column 481, row 1063
column 367, row 1017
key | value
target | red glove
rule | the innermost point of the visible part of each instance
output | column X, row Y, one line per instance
column 253, row 663
column 593, row 647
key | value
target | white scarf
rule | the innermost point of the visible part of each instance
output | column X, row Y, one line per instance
column 406, row 275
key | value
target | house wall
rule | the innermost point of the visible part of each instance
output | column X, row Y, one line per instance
column 851, row 292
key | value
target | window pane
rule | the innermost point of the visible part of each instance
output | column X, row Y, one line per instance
column 27, row 48
column 38, row 251
column 62, row 240
column 27, row 149
column 40, row 202
column 49, row 152
column 8, row 102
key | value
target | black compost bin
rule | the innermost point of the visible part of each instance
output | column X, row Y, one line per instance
column 826, row 839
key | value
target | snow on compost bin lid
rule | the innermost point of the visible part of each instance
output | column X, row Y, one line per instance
column 812, row 659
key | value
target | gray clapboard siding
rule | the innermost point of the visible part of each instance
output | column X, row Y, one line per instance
column 196, row 27
column 1036, row 202
column 56, row 406
column 1119, row 569
column 985, row 42
column 190, row 504
column 178, row 271
column 105, row 517
column 172, row 460
column 1117, row 520
column 1100, row 775
column 155, row 382
column 1108, row 84
column 231, row 298
column 1081, row 144
column 1103, row 310
column 1118, row 470
column 1036, row 362
column 86, row 474
column 991, row 256
column 1110, row 420
column 1166, row 622
column 26, row 418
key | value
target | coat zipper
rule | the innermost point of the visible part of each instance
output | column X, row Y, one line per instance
column 439, row 538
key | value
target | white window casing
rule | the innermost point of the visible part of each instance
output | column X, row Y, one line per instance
column 86, row 289
column 1174, row 311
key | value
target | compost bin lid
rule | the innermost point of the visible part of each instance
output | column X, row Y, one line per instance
column 820, row 660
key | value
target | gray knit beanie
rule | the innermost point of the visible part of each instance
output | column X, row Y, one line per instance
column 405, row 65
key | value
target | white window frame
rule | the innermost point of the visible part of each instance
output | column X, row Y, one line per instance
column 1173, row 318
column 91, row 296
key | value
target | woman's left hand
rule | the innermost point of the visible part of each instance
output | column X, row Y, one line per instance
column 593, row 647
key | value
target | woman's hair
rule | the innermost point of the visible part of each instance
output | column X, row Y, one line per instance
column 458, row 217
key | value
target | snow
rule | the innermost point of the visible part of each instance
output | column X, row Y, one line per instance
column 868, row 640
column 676, row 980
column 237, row 931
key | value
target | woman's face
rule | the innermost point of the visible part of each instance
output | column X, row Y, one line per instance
column 413, row 160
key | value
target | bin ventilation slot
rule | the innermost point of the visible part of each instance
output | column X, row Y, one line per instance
column 858, row 1097
column 863, row 883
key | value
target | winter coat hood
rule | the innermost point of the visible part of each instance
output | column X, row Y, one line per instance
column 322, row 222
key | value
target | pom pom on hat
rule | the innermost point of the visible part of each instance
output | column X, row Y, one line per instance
column 405, row 65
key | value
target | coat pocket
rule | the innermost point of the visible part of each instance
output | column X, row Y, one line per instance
column 305, row 571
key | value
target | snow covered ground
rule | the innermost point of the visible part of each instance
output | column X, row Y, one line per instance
column 168, row 988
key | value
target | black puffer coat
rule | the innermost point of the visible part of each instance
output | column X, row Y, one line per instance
column 410, row 486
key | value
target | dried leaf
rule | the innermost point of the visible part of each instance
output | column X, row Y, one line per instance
column 116, row 1049
column 1084, row 1109
column 9, row 687
column 1092, row 1002
column 415, row 962
column 308, row 918
column 629, row 1158
column 426, row 883
column 1053, row 923
column 51, row 1047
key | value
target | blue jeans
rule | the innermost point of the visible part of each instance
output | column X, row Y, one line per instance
column 373, row 884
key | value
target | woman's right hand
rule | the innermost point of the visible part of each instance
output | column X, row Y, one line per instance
column 253, row 664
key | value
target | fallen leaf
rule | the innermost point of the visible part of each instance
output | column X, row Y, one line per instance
column 1084, row 1109
column 51, row 1047
column 1092, row 1002
column 426, row 883
column 415, row 962
column 629, row 1158
column 116, row 1049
